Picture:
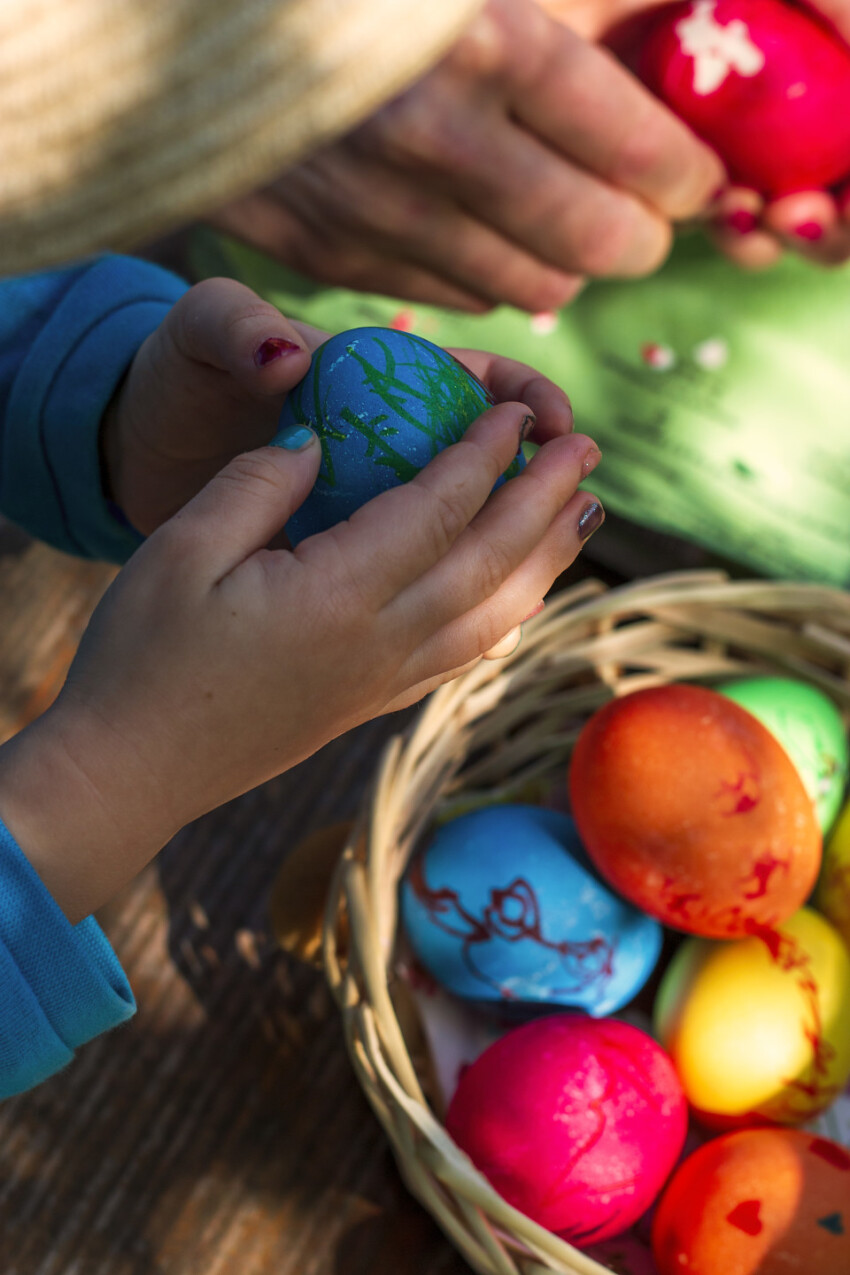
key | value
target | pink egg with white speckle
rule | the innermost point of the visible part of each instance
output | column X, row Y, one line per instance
column 766, row 83
column 576, row 1122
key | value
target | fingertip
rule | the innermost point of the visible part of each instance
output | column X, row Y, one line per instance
column 803, row 219
column 551, row 408
column 756, row 250
column 224, row 324
column 294, row 438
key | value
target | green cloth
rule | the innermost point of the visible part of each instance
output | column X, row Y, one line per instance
column 720, row 399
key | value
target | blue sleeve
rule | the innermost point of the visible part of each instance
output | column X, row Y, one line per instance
column 67, row 337
column 60, row 984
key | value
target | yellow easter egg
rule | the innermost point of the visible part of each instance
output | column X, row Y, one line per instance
column 759, row 1028
column 833, row 894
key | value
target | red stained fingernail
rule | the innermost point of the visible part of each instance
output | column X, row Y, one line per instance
column 741, row 221
column 810, row 230
column 532, row 614
column 274, row 347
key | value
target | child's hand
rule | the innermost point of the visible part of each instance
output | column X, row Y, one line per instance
column 214, row 662
column 210, row 382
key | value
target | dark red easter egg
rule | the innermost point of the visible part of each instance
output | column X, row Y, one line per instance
column 764, row 83
column 576, row 1121
column 692, row 810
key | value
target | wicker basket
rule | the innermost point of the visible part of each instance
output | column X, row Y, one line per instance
column 489, row 734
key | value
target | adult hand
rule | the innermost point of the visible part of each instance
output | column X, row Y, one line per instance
column 210, row 383
column 752, row 231
column 526, row 161
column 213, row 662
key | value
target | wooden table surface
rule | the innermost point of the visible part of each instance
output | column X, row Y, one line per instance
column 221, row 1132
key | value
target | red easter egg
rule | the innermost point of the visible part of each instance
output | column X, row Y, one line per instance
column 764, row 83
column 576, row 1121
column 758, row 1202
column 692, row 810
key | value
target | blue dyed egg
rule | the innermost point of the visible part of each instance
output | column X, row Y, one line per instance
column 383, row 404
column 503, row 905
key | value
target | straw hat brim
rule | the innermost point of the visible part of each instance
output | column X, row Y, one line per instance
column 122, row 119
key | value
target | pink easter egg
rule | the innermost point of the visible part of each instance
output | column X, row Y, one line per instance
column 577, row 1122
column 766, row 84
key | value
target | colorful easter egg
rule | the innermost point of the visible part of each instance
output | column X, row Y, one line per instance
column 757, row 1202
column 765, row 83
column 693, row 811
column 383, row 404
column 809, row 728
column 759, row 1029
column 833, row 893
column 625, row 1255
column 503, row 905
column 575, row 1121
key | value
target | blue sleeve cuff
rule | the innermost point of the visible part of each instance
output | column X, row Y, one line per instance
column 51, row 465
column 60, row 984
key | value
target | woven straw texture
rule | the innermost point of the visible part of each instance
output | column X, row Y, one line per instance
column 487, row 735
column 121, row 119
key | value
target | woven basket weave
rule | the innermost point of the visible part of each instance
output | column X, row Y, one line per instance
column 487, row 735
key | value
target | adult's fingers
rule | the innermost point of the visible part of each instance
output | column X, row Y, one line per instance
column 836, row 12
column 383, row 191
column 557, row 210
column 582, row 102
column 509, row 380
column 736, row 229
column 416, row 524
column 335, row 255
column 510, row 529
column 810, row 224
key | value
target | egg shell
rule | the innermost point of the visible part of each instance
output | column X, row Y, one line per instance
column 833, row 892
column 383, row 403
column 809, row 727
column 757, row 1202
column 503, row 905
column 691, row 809
column 759, row 1029
column 624, row 1255
column 577, row 1122
column 766, row 84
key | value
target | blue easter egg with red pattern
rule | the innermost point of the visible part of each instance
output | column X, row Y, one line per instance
column 503, row 905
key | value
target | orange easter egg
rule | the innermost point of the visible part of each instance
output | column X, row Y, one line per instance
column 692, row 810
column 757, row 1202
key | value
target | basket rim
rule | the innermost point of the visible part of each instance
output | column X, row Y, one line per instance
column 360, row 974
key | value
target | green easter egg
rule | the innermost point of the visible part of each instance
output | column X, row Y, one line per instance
column 809, row 728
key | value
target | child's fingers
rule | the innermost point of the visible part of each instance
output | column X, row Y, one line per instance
column 510, row 527
column 223, row 324
column 246, row 504
column 480, row 629
column 390, row 542
column 509, row 380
